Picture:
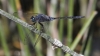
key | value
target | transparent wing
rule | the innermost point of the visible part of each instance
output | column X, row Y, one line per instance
column 29, row 15
column 28, row 36
column 26, row 16
column 30, row 39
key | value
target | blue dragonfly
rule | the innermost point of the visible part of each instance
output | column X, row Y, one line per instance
column 38, row 17
column 44, row 18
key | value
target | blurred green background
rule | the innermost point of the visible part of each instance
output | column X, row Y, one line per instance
column 81, row 35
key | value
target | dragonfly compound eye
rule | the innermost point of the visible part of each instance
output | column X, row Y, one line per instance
column 33, row 19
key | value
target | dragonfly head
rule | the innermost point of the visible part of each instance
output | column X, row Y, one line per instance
column 32, row 19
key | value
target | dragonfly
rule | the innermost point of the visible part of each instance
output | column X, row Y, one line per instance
column 39, row 18
column 44, row 18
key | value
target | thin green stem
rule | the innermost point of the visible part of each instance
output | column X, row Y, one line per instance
column 70, row 22
column 3, row 41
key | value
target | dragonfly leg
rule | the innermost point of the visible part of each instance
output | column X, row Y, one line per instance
column 34, row 24
column 41, row 25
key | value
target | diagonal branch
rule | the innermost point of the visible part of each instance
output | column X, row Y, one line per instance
column 55, row 42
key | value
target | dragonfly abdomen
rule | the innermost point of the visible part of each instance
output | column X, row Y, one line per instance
column 70, row 17
column 77, row 17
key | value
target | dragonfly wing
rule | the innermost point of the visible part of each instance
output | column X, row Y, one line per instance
column 26, row 16
column 29, row 38
column 30, row 14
